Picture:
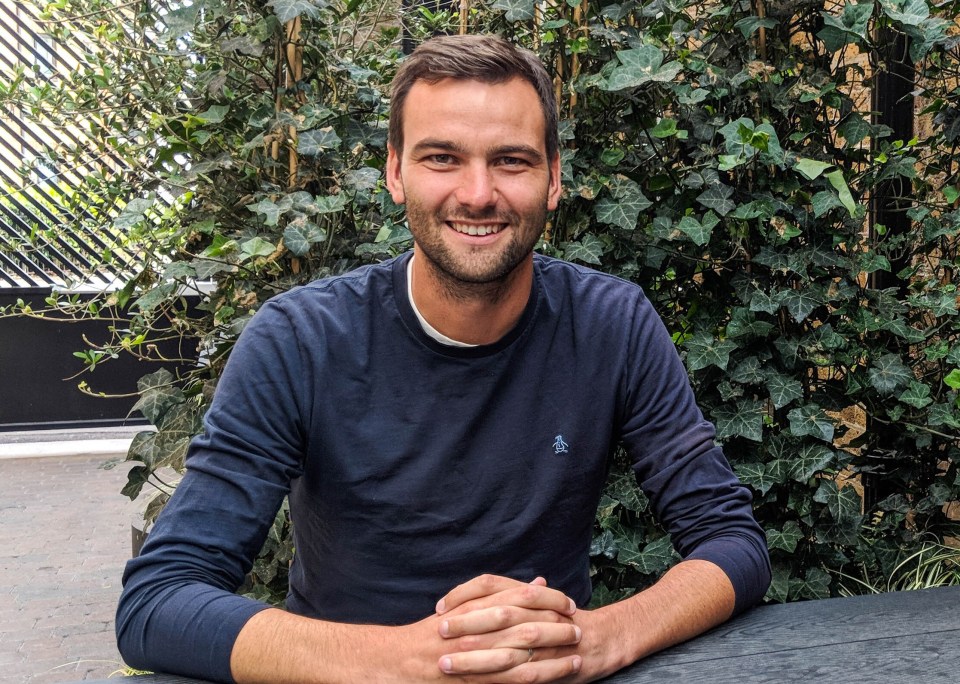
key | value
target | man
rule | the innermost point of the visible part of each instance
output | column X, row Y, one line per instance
column 443, row 424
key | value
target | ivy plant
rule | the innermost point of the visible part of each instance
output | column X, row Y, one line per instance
column 724, row 155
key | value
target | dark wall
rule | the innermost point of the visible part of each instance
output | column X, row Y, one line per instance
column 37, row 389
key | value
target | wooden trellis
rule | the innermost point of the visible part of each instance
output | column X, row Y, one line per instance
column 45, row 236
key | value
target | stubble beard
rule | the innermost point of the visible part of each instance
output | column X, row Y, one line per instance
column 481, row 274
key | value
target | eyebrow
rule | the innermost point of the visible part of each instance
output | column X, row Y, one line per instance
column 502, row 151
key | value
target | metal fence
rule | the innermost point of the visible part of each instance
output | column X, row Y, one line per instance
column 46, row 241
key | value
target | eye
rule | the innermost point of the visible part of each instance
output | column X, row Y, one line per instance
column 512, row 161
column 442, row 159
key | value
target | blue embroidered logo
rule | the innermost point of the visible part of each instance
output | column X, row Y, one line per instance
column 559, row 446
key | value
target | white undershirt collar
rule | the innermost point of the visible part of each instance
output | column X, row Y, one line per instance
column 427, row 328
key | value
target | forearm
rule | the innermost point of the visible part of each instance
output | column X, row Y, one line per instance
column 689, row 599
column 278, row 647
column 508, row 619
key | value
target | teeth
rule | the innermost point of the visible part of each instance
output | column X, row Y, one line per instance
column 471, row 229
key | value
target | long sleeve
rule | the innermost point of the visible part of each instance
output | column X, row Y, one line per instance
column 178, row 612
column 691, row 487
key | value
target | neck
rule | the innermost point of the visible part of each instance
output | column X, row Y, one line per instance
column 474, row 313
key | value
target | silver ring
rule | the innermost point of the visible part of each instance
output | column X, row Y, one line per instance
column 529, row 654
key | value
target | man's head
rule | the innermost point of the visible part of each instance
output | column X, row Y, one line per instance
column 488, row 59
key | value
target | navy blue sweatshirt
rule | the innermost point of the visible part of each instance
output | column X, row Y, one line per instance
column 413, row 466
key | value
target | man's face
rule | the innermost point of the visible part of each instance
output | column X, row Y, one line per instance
column 474, row 176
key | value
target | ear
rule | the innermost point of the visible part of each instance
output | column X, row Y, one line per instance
column 555, row 189
column 394, row 179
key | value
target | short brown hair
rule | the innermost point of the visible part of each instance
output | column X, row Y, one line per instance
column 489, row 59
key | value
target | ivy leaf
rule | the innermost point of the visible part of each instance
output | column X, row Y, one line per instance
column 704, row 350
column 944, row 414
column 214, row 115
column 842, row 502
column 329, row 204
column 940, row 303
column 801, row 303
column 269, row 209
column 952, row 379
column 137, row 476
column 745, row 420
column 870, row 262
column 655, row 557
column 623, row 209
column 779, row 590
column 783, row 390
column 814, row 585
column 823, row 202
column 157, row 395
column 624, row 488
column 588, row 249
column 748, row 372
column 899, row 328
column 604, row 544
column 917, row 395
column 312, row 143
column 810, row 460
column 811, row 420
column 299, row 237
column 755, row 475
column 785, row 539
column 133, row 213
column 665, row 128
column 908, row 12
column 362, row 180
column 516, row 10
column 180, row 21
column 699, row 232
column 840, row 185
column 143, row 448
column 765, row 302
column 849, row 27
column 717, row 197
column 810, row 168
column 749, row 25
column 854, row 129
column 639, row 66
column 287, row 10
column 889, row 373
column 256, row 247
column 744, row 323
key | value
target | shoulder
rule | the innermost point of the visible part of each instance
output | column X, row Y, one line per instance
column 330, row 307
column 362, row 282
column 581, row 287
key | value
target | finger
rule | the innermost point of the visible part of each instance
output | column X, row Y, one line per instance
column 510, row 665
column 478, row 587
column 528, row 596
column 483, row 620
column 536, row 635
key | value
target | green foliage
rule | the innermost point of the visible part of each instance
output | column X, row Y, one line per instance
column 721, row 159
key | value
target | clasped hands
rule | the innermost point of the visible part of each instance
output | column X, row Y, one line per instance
column 496, row 629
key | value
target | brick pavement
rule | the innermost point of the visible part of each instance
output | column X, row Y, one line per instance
column 64, row 537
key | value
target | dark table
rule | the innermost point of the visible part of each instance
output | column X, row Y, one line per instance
column 888, row 638
column 899, row 638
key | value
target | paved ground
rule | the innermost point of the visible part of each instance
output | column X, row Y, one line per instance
column 64, row 537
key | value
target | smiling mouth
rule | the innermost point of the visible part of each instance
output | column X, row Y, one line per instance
column 479, row 230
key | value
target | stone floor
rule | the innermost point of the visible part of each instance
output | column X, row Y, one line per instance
column 64, row 538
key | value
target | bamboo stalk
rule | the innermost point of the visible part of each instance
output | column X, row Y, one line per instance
column 579, row 14
column 762, row 35
column 294, row 72
column 464, row 11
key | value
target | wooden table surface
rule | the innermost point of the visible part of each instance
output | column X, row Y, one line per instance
column 888, row 639
column 897, row 638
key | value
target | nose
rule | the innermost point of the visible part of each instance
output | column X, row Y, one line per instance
column 477, row 187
